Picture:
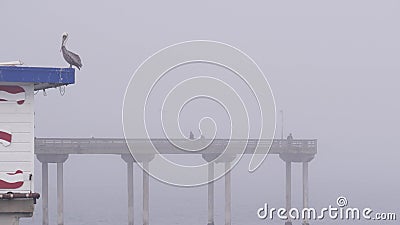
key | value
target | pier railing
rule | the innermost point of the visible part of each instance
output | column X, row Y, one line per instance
column 164, row 146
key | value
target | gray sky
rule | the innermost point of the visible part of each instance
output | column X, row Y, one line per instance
column 333, row 68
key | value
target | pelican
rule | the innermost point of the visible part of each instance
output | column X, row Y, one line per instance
column 70, row 57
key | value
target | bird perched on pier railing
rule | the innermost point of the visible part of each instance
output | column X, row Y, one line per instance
column 71, row 58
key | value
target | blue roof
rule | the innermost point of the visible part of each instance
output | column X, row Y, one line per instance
column 41, row 77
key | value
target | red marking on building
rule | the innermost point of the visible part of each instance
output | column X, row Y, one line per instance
column 12, row 94
column 5, row 137
column 11, row 180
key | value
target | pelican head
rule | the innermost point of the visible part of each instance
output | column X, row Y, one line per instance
column 65, row 35
column 64, row 38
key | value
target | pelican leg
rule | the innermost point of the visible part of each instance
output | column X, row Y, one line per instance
column 70, row 65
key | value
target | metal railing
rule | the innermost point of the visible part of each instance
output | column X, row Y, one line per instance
column 165, row 146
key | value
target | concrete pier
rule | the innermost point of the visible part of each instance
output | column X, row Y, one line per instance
column 57, row 151
column 289, row 157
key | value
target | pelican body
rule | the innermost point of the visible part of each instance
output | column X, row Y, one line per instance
column 71, row 58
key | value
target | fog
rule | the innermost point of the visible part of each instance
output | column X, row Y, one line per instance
column 333, row 68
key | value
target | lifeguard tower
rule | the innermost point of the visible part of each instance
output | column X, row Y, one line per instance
column 17, row 87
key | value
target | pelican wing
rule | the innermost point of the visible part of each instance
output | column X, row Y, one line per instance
column 71, row 58
column 75, row 58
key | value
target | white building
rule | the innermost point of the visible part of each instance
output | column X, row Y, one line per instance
column 17, row 87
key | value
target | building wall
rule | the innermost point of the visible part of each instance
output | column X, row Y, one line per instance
column 16, row 137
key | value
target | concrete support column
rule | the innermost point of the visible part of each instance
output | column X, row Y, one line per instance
column 129, row 167
column 45, row 193
column 305, row 189
column 130, row 193
column 288, row 189
column 60, row 193
column 210, row 186
column 145, row 160
column 228, row 195
column 59, row 159
column 210, row 194
column 146, row 195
